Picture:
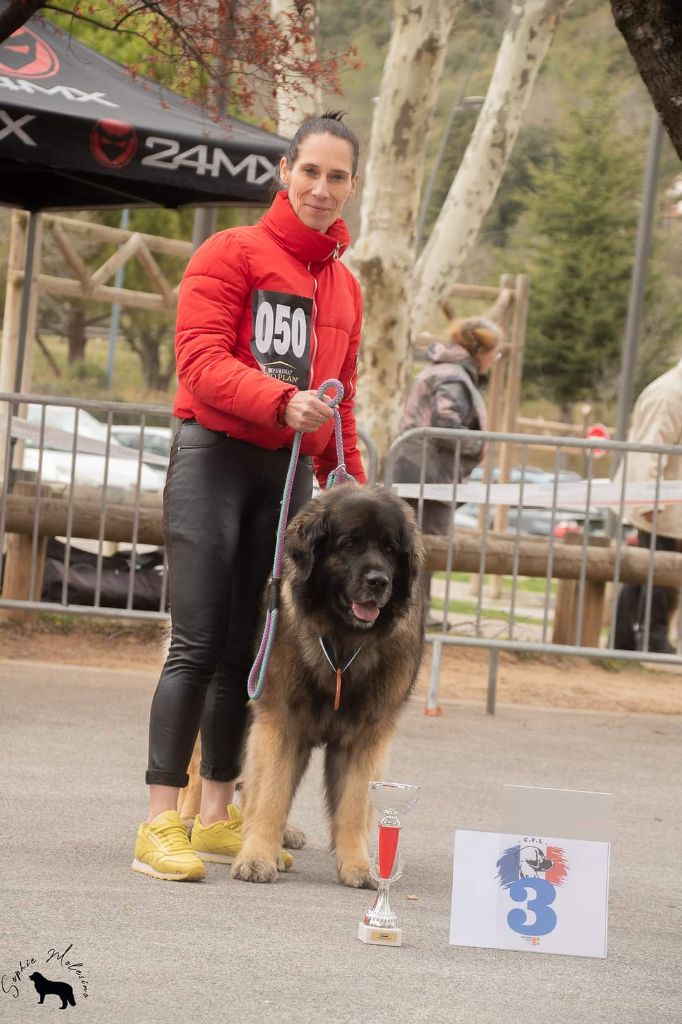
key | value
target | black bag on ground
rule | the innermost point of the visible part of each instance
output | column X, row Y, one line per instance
column 115, row 578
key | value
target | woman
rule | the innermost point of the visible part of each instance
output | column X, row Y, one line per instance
column 265, row 315
column 448, row 394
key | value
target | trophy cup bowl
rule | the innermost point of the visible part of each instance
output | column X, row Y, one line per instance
column 392, row 799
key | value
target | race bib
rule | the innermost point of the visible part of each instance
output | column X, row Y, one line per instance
column 281, row 336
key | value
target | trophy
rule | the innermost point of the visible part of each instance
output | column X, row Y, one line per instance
column 392, row 799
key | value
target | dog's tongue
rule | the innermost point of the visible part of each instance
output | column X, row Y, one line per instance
column 367, row 611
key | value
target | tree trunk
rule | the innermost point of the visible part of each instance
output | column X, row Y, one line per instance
column 295, row 106
column 383, row 256
column 16, row 15
column 148, row 345
column 76, row 333
column 527, row 38
column 653, row 33
column 149, row 357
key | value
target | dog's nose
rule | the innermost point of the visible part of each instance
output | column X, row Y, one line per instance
column 376, row 580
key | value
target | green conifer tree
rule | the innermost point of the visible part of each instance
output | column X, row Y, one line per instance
column 583, row 216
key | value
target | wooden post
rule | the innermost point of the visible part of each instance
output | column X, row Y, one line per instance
column 512, row 400
column 563, row 630
column 16, row 581
column 12, row 316
column 13, row 293
column 494, row 406
column 566, row 613
column 566, row 604
column 500, row 376
column 10, row 327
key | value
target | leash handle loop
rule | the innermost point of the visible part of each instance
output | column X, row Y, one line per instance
column 340, row 474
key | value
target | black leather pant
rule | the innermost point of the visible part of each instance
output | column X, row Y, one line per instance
column 221, row 509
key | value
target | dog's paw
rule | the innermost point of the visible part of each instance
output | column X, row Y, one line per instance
column 255, row 869
column 356, row 876
column 294, row 838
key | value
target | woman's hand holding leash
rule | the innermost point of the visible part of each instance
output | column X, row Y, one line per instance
column 307, row 412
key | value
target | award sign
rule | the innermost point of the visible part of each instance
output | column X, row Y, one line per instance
column 527, row 892
column 379, row 926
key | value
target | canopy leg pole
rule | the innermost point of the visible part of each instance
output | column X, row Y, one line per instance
column 116, row 309
column 205, row 224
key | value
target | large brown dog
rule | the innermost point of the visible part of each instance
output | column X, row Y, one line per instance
column 350, row 588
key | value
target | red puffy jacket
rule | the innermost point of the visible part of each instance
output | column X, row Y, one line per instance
column 263, row 310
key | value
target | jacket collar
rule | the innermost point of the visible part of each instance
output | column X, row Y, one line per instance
column 451, row 352
column 297, row 238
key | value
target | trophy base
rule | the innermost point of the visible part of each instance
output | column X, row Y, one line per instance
column 380, row 936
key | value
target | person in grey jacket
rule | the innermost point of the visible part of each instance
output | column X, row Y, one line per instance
column 448, row 393
column 656, row 419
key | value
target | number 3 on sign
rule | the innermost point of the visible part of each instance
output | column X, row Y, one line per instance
column 544, row 918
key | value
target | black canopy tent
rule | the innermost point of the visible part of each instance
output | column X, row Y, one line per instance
column 77, row 131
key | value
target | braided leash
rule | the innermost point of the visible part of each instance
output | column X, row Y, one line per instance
column 339, row 475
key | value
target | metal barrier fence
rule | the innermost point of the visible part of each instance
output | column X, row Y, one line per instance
column 547, row 509
column 86, row 474
column 66, row 473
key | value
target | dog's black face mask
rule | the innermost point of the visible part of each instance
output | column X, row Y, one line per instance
column 355, row 558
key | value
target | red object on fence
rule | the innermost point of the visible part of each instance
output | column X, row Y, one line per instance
column 388, row 845
column 598, row 430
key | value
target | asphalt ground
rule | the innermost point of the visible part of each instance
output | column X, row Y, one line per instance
column 73, row 752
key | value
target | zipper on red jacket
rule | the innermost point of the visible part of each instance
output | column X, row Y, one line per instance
column 313, row 347
column 334, row 254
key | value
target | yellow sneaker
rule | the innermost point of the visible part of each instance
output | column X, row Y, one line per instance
column 221, row 842
column 163, row 850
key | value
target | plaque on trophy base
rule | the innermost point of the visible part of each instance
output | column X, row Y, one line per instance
column 380, row 936
column 379, row 926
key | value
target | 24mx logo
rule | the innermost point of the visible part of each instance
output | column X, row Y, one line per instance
column 204, row 159
column 530, row 872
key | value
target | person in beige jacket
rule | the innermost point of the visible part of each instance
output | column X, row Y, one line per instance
column 656, row 419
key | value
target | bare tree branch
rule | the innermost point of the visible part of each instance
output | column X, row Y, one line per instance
column 266, row 53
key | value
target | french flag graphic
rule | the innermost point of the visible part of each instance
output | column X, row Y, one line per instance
column 559, row 870
column 530, row 860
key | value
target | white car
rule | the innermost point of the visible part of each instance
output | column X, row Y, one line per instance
column 90, row 459
column 157, row 440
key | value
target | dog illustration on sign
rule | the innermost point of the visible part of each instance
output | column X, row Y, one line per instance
column 531, row 860
column 45, row 987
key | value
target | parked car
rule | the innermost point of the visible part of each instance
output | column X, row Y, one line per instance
column 57, row 453
column 537, row 522
column 531, row 474
column 156, row 441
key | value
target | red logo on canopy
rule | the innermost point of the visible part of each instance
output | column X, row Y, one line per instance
column 26, row 55
column 113, row 143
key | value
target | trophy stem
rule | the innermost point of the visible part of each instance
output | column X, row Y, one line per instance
column 380, row 914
